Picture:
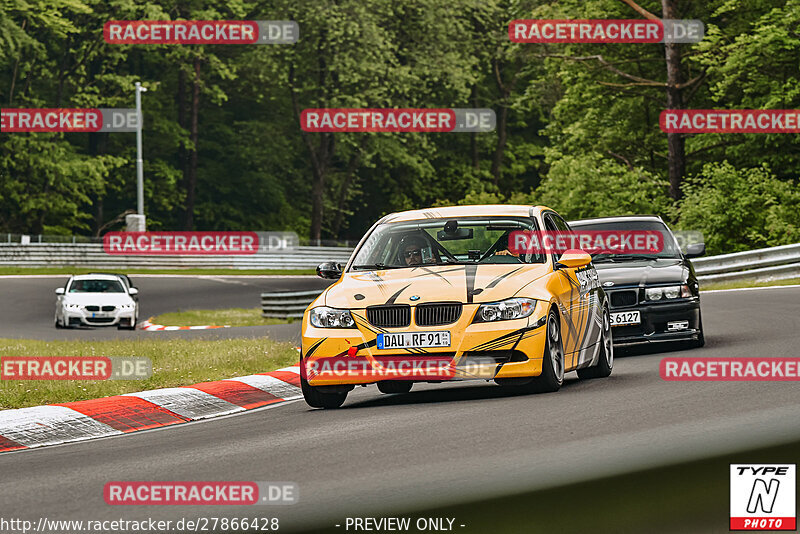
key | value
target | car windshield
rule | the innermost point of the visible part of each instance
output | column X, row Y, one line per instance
column 670, row 247
column 96, row 286
column 443, row 242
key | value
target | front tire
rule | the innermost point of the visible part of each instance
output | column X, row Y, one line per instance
column 603, row 367
column 317, row 399
column 552, row 376
column 395, row 386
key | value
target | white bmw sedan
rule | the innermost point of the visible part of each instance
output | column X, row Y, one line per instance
column 97, row 300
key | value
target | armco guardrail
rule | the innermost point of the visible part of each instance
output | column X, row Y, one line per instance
column 287, row 304
column 92, row 255
column 766, row 264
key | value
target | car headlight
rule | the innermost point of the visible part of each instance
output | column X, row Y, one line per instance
column 324, row 317
column 516, row 308
column 72, row 306
column 127, row 306
column 667, row 292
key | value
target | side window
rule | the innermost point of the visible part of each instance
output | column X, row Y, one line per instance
column 561, row 224
column 550, row 226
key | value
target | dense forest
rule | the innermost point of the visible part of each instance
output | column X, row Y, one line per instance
column 577, row 124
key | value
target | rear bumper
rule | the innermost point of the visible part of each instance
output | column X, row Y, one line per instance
column 661, row 323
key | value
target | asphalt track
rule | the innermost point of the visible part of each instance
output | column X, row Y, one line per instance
column 438, row 445
column 27, row 304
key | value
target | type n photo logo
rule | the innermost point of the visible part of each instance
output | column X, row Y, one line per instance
column 763, row 497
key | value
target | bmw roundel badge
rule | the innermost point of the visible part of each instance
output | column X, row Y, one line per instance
column 413, row 297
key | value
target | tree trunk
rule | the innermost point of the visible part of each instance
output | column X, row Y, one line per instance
column 350, row 173
column 473, row 136
column 502, row 121
column 497, row 162
column 183, row 160
column 191, row 175
column 675, row 141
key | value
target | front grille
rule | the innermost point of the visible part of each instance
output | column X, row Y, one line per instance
column 389, row 316
column 624, row 298
column 92, row 308
column 100, row 319
column 109, row 308
column 437, row 314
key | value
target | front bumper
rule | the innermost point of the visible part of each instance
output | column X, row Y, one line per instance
column 659, row 321
column 483, row 351
column 81, row 317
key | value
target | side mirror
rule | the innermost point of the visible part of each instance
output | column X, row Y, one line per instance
column 329, row 269
column 59, row 291
column 133, row 291
column 572, row 259
column 695, row 250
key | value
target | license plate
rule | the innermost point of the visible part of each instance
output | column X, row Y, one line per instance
column 625, row 318
column 413, row 340
column 100, row 315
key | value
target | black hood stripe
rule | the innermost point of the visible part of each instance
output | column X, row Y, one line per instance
column 394, row 297
column 470, row 271
column 501, row 277
column 429, row 271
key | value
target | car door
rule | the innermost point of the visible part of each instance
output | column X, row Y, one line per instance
column 566, row 288
column 590, row 307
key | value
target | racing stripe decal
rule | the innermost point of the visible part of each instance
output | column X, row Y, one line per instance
column 499, row 278
column 429, row 271
column 314, row 347
column 393, row 298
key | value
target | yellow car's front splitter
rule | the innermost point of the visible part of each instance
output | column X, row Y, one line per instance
column 477, row 351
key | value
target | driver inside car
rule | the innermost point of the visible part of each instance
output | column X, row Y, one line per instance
column 502, row 248
column 411, row 250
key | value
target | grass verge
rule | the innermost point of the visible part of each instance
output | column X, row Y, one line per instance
column 738, row 285
column 229, row 317
column 176, row 362
column 217, row 272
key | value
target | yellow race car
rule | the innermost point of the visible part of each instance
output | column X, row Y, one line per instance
column 438, row 294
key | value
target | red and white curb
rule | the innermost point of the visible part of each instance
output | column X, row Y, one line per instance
column 27, row 428
column 147, row 325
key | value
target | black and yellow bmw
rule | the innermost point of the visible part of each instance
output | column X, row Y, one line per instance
column 436, row 295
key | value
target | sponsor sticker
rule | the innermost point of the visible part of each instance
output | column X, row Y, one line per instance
column 398, row 120
column 590, row 241
column 605, row 31
column 730, row 121
column 730, row 369
column 76, row 368
column 69, row 120
column 181, row 243
column 762, row 497
column 200, row 493
column 192, row 32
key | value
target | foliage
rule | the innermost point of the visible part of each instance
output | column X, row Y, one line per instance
column 741, row 209
column 577, row 123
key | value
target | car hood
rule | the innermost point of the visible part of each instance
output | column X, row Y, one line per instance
column 643, row 272
column 98, row 298
column 437, row 283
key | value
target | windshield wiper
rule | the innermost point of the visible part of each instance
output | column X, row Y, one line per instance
column 375, row 266
column 622, row 257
